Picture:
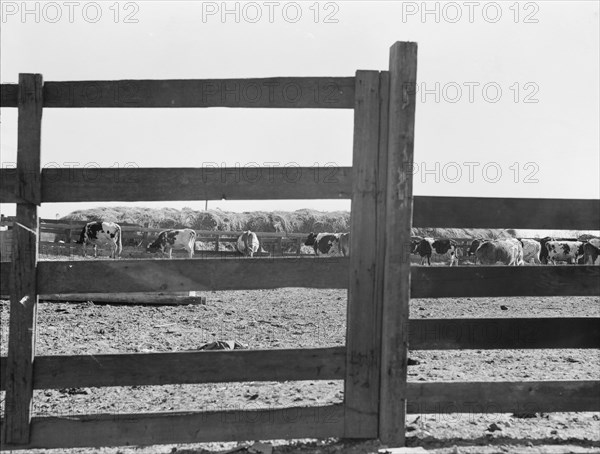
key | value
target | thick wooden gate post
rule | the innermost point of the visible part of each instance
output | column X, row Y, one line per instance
column 365, row 290
column 23, row 298
column 396, row 297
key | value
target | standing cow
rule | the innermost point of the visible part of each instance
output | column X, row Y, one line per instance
column 324, row 243
column 531, row 250
column 174, row 239
column 248, row 243
column 101, row 233
column 442, row 247
column 344, row 244
column 507, row 251
column 564, row 251
column 591, row 252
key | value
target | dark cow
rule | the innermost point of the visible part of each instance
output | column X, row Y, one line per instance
column 591, row 252
column 324, row 243
column 564, row 251
column 174, row 239
column 508, row 251
column 428, row 246
column 101, row 233
column 248, row 244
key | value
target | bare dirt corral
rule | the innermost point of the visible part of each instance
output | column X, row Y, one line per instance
column 292, row 317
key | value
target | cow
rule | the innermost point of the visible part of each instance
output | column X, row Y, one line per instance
column 168, row 240
column 344, row 239
column 247, row 244
column 531, row 250
column 564, row 251
column 428, row 246
column 507, row 251
column 101, row 233
column 324, row 243
column 591, row 252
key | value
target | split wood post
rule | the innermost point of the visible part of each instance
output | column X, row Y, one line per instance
column 365, row 289
column 396, row 296
column 23, row 298
column 298, row 245
column 217, row 243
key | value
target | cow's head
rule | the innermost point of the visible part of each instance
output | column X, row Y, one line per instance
column 311, row 239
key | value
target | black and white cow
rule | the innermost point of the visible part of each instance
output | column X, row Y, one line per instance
column 101, row 233
column 174, row 239
column 591, row 252
column 324, row 243
column 564, row 251
column 443, row 247
column 248, row 244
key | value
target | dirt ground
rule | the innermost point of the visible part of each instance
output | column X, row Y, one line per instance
column 293, row 317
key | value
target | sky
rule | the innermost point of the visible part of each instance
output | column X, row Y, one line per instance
column 508, row 98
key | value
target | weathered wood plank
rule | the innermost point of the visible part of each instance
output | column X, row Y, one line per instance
column 280, row 92
column 23, row 282
column 9, row 95
column 364, row 299
column 399, row 213
column 503, row 397
column 162, row 298
column 473, row 281
column 180, row 275
column 184, row 275
column 189, row 427
column 483, row 212
column 188, row 367
column 504, row 333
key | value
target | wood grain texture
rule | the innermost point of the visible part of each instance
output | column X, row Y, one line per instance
column 399, row 213
column 251, row 423
column 280, row 92
column 160, row 184
column 142, row 369
column 23, row 282
column 503, row 397
column 237, row 273
column 483, row 212
column 361, row 392
column 504, row 333
column 473, row 281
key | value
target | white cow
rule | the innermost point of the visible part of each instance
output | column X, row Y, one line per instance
column 531, row 250
column 248, row 244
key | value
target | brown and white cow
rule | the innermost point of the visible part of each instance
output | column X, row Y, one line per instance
column 531, row 250
column 442, row 247
column 174, row 239
column 344, row 244
column 508, row 251
column 564, row 251
column 102, row 233
column 324, row 243
column 247, row 243
column 591, row 252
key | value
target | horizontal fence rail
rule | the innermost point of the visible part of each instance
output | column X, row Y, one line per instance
column 155, row 184
column 96, row 276
column 144, row 369
column 278, row 92
column 303, row 422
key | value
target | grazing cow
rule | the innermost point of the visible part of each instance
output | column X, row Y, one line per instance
column 428, row 246
column 100, row 233
column 174, row 239
column 507, row 251
column 531, row 250
column 248, row 244
column 324, row 243
column 564, row 251
column 591, row 253
column 344, row 239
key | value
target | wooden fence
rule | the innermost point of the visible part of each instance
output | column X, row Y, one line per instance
column 378, row 275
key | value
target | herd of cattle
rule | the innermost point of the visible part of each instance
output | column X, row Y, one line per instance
column 507, row 251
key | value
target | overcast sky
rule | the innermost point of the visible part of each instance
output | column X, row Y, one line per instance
column 511, row 89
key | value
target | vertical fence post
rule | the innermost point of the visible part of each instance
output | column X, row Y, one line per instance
column 23, row 298
column 365, row 288
column 396, row 297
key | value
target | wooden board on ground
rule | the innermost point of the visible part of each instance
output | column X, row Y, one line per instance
column 161, row 298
